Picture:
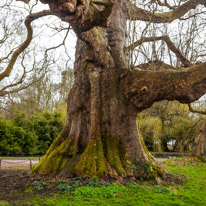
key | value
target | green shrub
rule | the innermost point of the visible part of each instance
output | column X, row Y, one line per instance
column 15, row 140
column 24, row 135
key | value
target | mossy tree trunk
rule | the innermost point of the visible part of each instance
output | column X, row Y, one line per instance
column 101, row 136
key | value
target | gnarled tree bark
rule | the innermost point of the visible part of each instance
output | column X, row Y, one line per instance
column 101, row 136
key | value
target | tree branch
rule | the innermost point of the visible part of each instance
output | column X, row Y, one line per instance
column 20, row 84
column 166, row 4
column 169, row 43
column 25, row 1
column 155, row 66
column 195, row 111
column 30, row 18
column 136, row 13
column 102, row 3
column 143, row 88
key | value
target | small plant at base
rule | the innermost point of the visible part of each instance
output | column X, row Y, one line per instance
column 93, row 182
column 77, row 183
column 142, row 168
column 161, row 189
column 102, row 183
column 64, row 187
column 37, row 185
column 133, row 185
column 78, row 178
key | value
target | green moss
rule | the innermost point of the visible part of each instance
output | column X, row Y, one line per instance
column 58, row 141
column 103, row 156
column 115, row 154
column 56, row 157
column 100, row 159
column 92, row 161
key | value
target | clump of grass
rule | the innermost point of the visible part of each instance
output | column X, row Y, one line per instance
column 38, row 186
column 2, row 203
column 63, row 187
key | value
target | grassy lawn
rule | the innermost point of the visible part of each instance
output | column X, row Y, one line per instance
column 193, row 192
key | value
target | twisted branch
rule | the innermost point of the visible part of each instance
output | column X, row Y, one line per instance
column 30, row 18
column 136, row 13
column 169, row 43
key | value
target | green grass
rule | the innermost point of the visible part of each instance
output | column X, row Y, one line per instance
column 4, row 203
column 193, row 193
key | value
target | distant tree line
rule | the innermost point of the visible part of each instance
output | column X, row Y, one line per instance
column 25, row 135
column 166, row 126
column 170, row 126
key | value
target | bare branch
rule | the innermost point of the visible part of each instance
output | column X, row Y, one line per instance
column 25, row 1
column 61, row 44
column 20, row 84
column 195, row 111
column 166, row 4
column 102, row 3
column 30, row 18
column 192, row 16
column 6, row 57
column 136, row 13
column 155, row 66
column 20, row 81
column 169, row 43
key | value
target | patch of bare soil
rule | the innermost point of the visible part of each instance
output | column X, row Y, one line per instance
column 16, row 186
column 12, row 183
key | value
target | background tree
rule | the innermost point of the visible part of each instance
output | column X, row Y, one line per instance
column 44, row 95
column 199, row 149
column 31, row 66
column 101, row 134
column 169, row 124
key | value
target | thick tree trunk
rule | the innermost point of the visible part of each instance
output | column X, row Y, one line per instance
column 101, row 136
